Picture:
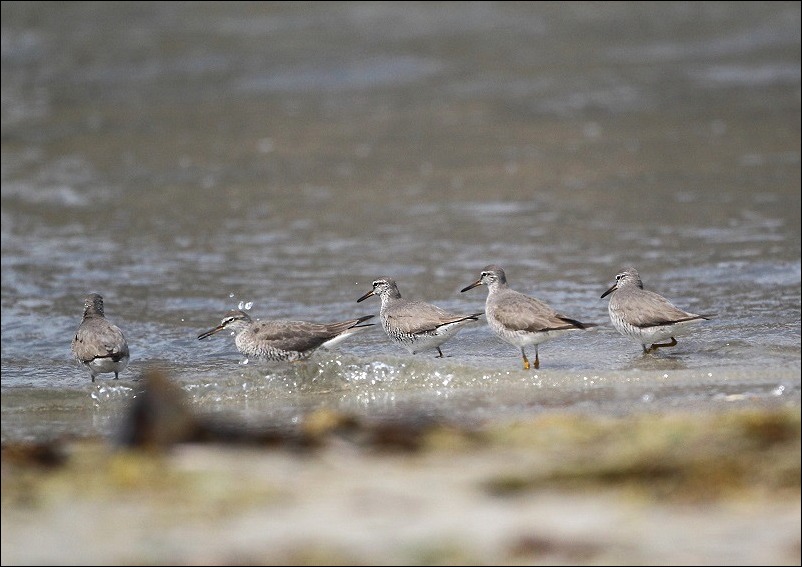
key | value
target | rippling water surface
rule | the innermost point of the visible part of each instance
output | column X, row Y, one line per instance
column 180, row 158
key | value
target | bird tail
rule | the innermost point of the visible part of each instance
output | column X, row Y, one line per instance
column 579, row 324
column 357, row 322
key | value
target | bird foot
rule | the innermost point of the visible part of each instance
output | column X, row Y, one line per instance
column 656, row 346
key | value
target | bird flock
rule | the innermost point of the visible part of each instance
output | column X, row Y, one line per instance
column 516, row 318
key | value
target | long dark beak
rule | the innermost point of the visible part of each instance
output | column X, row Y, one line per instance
column 609, row 291
column 210, row 332
column 364, row 297
column 473, row 285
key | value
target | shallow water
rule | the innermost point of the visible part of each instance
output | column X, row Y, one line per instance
column 181, row 158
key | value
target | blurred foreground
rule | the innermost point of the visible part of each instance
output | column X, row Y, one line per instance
column 714, row 488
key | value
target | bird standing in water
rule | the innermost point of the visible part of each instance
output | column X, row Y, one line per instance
column 519, row 319
column 415, row 325
column 645, row 316
column 98, row 344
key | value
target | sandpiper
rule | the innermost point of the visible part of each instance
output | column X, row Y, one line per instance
column 97, row 344
column 645, row 316
column 283, row 340
column 415, row 325
column 519, row 319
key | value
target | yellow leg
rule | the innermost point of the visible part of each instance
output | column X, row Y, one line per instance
column 526, row 360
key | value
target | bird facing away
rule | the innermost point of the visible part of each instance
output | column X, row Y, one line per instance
column 97, row 344
column 645, row 316
column 519, row 319
column 282, row 340
column 415, row 325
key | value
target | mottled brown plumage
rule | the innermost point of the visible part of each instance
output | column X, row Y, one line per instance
column 415, row 325
column 284, row 340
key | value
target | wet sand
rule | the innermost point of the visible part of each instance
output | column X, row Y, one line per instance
column 673, row 487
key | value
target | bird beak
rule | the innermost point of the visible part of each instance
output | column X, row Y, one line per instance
column 364, row 297
column 210, row 332
column 473, row 285
column 609, row 291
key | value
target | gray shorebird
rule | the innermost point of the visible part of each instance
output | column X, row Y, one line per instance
column 415, row 325
column 645, row 316
column 98, row 344
column 283, row 340
column 519, row 319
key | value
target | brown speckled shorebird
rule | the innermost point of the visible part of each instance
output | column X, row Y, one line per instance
column 645, row 316
column 415, row 325
column 283, row 340
column 97, row 344
column 519, row 319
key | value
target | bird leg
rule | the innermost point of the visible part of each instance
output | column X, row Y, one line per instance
column 526, row 360
column 537, row 359
column 656, row 346
column 439, row 353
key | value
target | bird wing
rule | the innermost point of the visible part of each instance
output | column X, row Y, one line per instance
column 417, row 317
column 651, row 309
column 521, row 312
column 297, row 336
column 102, row 341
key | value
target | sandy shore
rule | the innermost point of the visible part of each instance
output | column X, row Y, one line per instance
column 719, row 488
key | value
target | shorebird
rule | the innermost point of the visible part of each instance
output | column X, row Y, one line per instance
column 283, row 340
column 415, row 325
column 97, row 344
column 519, row 319
column 645, row 316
